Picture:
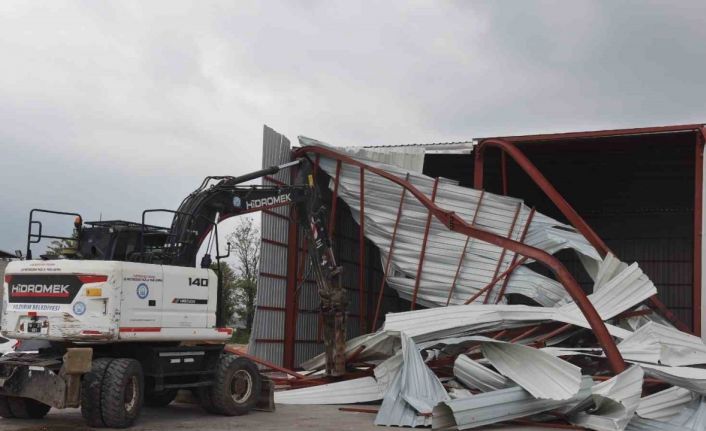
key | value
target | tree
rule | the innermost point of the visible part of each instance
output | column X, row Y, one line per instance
column 229, row 279
column 245, row 245
column 61, row 246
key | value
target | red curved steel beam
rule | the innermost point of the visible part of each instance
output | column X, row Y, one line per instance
column 566, row 209
column 519, row 157
column 457, row 224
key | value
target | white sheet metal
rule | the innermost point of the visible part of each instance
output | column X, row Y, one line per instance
column 497, row 406
column 626, row 289
column 665, row 404
column 453, row 321
column 607, row 270
column 353, row 391
column 690, row 378
column 539, row 373
column 476, row 376
column 664, row 345
column 690, row 418
column 614, row 400
column 502, row 215
column 413, row 392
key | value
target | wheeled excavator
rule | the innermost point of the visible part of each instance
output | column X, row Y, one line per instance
column 131, row 317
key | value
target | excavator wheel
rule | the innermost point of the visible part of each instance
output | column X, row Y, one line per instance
column 236, row 388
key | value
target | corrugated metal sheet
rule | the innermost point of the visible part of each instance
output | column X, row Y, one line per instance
column 660, row 344
column 664, row 404
column 361, row 390
column 614, row 402
column 267, row 336
column 690, row 418
column 414, row 391
column 690, row 378
column 502, row 215
column 539, row 373
column 497, row 406
column 476, row 376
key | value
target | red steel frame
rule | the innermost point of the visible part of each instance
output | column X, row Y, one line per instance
column 457, row 224
column 423, row 252
column 580, row 224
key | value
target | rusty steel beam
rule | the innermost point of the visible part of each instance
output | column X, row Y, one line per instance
column 683, row 128
column 270, row 365
column 496, row 279
column 290, row 304
column 502, row 254
column 566, row 209
column 422, row 254
column 457, row 224
column 514, row 257
column 334, row 201
column 465, row 247
column 389, row 256
column 519, row 157
column 361, row 255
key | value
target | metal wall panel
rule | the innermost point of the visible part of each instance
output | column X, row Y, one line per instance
column 267, row 336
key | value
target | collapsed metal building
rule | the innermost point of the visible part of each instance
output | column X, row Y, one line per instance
column 637, row 193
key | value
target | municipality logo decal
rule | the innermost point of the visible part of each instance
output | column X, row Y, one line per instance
column 142, row 291
column 79, row 308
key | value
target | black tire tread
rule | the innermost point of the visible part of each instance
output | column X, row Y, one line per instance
column 112, row 399
column 91, row 392
column 220, row 391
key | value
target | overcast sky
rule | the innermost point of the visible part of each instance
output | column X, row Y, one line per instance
column 112, row 107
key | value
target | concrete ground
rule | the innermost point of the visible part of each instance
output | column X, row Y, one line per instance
column 190, row 417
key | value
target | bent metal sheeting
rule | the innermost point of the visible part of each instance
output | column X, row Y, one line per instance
column 448, row 253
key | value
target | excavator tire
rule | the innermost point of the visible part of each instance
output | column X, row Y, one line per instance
column 91, row 392
column 122, row 393
column 236, row 387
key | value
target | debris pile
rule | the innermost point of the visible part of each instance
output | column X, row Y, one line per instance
column 468, row 366
column 474, row 358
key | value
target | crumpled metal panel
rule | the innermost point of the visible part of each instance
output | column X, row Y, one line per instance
column 476, row 376
column 661, row 344
column 498, row 406
column 413, row 393
column 353, row 391
column 625, row 289
column 614, row 402
column 690, row 378
column 438, row 323
column 481, row 261
column 539, row 373
column 664, row 404
column 690, row 418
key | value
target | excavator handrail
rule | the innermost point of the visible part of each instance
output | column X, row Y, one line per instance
column 562, row 205
column 457, row 224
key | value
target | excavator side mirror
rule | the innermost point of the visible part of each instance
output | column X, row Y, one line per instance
column 225, row 255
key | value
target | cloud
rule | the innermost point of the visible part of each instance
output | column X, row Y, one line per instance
column 112, row 107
